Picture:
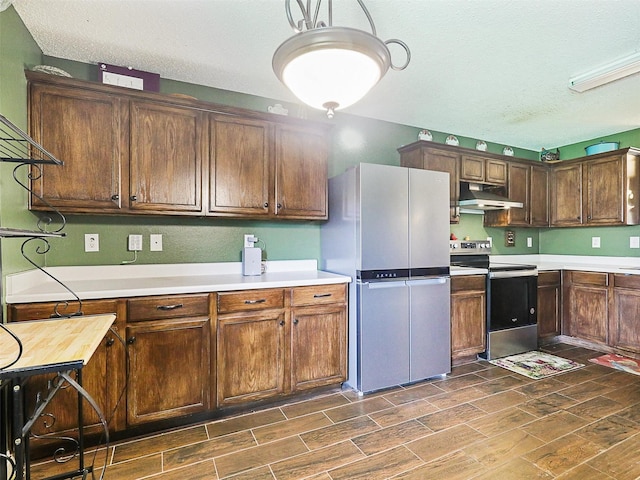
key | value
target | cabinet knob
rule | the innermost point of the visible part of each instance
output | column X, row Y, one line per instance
column 295, row 322
column 279, row 206
column 134, row 198
column 115, row 197
column 266, row 205
column 110, row 342
column 282, row 323
column 131, row 340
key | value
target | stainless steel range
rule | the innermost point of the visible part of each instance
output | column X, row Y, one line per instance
column 511, row 299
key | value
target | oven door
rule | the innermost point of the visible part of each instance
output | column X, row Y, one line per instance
column 512, row 299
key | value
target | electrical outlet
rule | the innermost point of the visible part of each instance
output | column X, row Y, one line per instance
column 249, row 240
column 91, row 242
column 529, row 242
column 595, row 242
column 634, row 242
column 135, row 243
column 155, row 242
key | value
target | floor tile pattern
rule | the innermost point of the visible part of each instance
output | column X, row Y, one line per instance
column 481, row 422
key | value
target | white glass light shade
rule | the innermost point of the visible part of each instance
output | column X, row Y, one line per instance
column 331, row 68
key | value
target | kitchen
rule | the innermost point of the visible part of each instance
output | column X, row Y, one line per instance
column 187, row 241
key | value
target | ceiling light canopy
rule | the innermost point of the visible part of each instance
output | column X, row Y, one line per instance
column 331, row 68
column 607, row 73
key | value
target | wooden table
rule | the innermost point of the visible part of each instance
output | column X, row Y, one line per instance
column 54, row 345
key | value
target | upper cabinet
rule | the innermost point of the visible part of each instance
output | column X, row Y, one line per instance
column 132, row 152
column 597, row 190
column 475, row 168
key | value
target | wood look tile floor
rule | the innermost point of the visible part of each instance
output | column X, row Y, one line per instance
column 481, row 422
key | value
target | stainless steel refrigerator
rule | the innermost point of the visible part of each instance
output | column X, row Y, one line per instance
column 388, row 229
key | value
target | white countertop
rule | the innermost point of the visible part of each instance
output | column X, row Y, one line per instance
column 623, row 265
column 457, row 271
column 118, row 281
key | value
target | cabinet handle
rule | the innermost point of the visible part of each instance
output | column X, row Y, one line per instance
column 134, row 198
column 131, row 340
column 282, row 323
column 322, row 295
column 253, row 302
column 295, row 322
column 266, row 205
column 279, row 205
column 110, row 342
column 115, row 197
column 169, row 307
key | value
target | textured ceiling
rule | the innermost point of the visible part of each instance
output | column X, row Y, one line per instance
column 495, row 70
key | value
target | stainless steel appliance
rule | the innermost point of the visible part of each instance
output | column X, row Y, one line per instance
column 388, row 228
column 512, row 325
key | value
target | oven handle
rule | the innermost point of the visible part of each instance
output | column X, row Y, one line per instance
column 513, row 274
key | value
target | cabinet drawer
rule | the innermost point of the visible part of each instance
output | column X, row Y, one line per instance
column 548, row 278
column 318, row 294
column 248, row 300
column 626, row 281
column 468, row 282
column 590, row 278
column 171, row 306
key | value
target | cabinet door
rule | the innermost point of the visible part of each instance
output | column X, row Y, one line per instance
column 605, row 193
column 251, row 356
column 301, row 173
column 538, row 200
column 167, row 151
column 519, row 192
column 84, row 130
column 468, row 317
column 548, row 304
column 240, row 181
column 318, row 346
column 443, row 161
column 168, row 373
column 472, row 169
column 587, row 310
column 103, row 376
column 624, row 328
column 566, row 195
column 495, row 172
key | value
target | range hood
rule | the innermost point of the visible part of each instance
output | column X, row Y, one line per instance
column 475, row 199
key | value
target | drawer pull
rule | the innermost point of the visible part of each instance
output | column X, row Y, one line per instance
column 110, row 342
column 131, row 340
column 170, row 307
column 254, row 302
column 322, row 295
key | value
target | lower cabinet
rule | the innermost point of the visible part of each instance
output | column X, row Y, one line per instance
column 549, row 304
column 168, row 345
column 586, row 305
column 103, row 376
column 276, row 341
column 623, row 326
column 468, row 315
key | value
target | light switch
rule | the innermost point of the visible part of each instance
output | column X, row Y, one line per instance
column 595, row 242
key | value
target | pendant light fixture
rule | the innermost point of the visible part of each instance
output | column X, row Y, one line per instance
column 331, row 68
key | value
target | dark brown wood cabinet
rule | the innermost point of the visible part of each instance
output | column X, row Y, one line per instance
column 424, row 155
column 475, row 168
column 527, row 184
column 318, row 336
column 251, row 343
column 278, row 341
column 168, row 149
column 586, row 305
column 168, row 341
column 625, row 313
column 84, row 129
column 598, row 190
column 135, row 152
column 103, row 376
column 549, row 304
column 468, row 315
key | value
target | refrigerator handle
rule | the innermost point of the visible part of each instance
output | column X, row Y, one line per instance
column 377, row 285
column 428, row 281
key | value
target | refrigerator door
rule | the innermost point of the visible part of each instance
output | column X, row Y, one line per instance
column 383, row 335
column 429, row 218
column 383, row 238
column 430, row 327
